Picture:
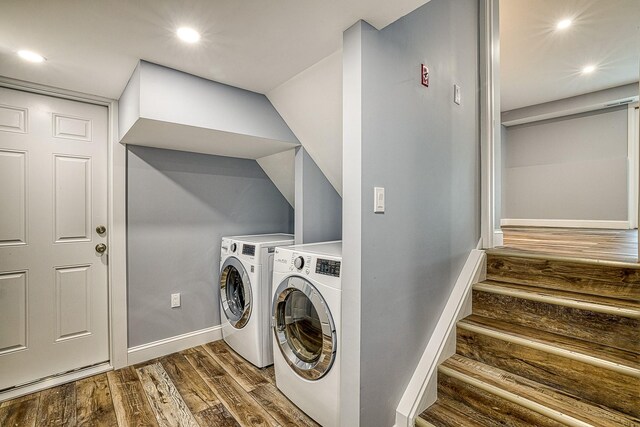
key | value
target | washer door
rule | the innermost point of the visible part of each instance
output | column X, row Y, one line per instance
column 235, row 292
column 304, row 329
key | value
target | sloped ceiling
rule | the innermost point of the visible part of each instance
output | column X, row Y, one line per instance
column 311, row 104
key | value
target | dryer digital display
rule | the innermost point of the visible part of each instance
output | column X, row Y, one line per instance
column 249, row 250
column 328, row 267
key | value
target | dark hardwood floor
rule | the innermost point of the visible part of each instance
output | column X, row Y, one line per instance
column 600, row 244
column 208, row 385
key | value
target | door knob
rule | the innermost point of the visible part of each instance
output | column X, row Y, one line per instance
column 101, row 248
column 101, row 229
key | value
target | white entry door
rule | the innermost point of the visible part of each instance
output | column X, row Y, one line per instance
column 53, row 196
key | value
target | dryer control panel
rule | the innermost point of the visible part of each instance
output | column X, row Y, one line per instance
column 328, row 267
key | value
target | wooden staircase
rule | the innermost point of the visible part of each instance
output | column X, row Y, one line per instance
column 551, row 342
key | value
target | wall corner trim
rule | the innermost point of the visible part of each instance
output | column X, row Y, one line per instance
column 421, row 391
column 144, row 352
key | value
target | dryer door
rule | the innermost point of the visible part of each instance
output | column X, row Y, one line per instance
column 303, row 327
column 235, row 292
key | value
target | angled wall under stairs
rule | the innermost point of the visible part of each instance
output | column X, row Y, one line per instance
column 551, row 342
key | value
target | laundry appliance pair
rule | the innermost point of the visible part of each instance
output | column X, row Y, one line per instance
column 281, row 304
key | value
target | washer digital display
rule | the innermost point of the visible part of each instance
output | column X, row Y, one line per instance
column 328, row 267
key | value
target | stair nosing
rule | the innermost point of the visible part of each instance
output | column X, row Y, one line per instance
column 552, row 349
column 501, row 289
column 515, row 398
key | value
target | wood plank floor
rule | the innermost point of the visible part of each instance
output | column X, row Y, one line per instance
column 209, row 385
column 600, row 244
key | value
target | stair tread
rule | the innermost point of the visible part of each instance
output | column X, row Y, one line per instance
column 539, row 394
column 445, row 412
column 620, row 307
column 626, row 359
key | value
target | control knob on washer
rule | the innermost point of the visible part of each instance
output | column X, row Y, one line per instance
column 299, row 263
column 233, row 247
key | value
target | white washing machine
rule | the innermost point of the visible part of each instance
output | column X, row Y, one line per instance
column 307, row 298
column 246, row 271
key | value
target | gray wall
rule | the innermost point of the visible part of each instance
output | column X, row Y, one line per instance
column 318, row 213
column 568, row 168
column 179, row 206
column 424, row 150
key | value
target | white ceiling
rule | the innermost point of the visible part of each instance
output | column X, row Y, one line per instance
column 92, row 46
column 539, row 64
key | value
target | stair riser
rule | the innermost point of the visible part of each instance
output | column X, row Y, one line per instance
column 597, row 384
column 443, row 416
column 501, row 410
column 600, row 280
column 607, row 329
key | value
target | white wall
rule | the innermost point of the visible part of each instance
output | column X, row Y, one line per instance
column 311, row 105
column 570, row 168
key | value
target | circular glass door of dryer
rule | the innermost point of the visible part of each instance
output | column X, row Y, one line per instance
column 235, row 292
column 304, row 328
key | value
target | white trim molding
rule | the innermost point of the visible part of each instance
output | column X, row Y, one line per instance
column 633, row 158
column 498, row 237
column 421, row 392
column 489, row 115
column 144, row 352
column 564, row 223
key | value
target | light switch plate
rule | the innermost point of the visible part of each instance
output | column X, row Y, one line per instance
column 175, row 300
column 456, row 94
column 378, row 199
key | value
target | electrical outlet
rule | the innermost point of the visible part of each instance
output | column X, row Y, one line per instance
column 175, row 300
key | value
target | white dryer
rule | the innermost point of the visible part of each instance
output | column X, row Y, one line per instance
column 246, row 271
column 306, row 307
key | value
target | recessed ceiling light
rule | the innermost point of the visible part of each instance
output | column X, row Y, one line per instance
column 27, row 55
column 188, row 35
column 565, row 23
column 588, row 69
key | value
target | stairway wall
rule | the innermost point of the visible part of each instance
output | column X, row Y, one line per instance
column 400, row 266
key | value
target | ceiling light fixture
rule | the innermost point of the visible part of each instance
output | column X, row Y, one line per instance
column 188, row 35
column 27, row 55
column 565, row 23
column 588, row 69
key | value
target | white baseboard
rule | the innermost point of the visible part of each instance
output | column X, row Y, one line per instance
column 144, row 352
column 421, row 391
column 55, row 381
column 564, row 223
column 498, row 238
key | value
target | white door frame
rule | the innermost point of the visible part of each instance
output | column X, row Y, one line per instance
column 489, row 117
column 633, row 156
column 116, row 234
column 490, row 135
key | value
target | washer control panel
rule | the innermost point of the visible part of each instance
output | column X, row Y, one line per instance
column 328, row 267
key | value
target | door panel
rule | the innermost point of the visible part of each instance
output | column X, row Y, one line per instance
column 13, row 306
column 13, row 193
column 73, row 299
column 72, row 198
column 13, row 119
column 53, row 283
